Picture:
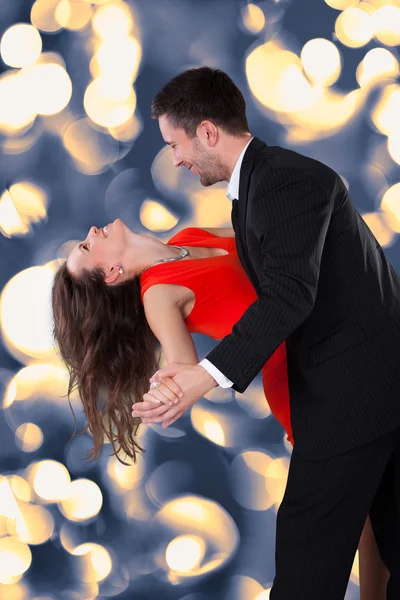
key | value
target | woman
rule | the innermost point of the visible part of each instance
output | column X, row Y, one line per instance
column 119, row 292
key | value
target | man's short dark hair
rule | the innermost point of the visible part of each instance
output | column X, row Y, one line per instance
column 202, row 94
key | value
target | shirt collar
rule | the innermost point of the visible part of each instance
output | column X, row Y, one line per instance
column 232, row 191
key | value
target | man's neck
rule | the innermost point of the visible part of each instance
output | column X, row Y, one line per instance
column 235, row 150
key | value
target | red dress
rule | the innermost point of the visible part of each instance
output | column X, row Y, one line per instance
column 222, row 293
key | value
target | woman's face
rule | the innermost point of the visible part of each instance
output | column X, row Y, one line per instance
column 104, row 247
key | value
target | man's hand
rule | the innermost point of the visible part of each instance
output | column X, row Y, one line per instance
column 193, row 380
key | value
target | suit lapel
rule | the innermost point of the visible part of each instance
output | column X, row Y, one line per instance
column 240, row 212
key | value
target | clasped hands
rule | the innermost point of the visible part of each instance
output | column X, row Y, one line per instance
column 180, row 385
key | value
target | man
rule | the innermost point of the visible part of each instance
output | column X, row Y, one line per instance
column 324, row 286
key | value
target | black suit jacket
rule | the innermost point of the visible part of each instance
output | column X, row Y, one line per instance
column 325, row 286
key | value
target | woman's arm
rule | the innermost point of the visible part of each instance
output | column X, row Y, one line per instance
column 164, row 315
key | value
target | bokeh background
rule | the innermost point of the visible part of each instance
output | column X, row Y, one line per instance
column 195, row 518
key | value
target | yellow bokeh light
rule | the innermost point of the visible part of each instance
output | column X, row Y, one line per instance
column 126, row 477
column 73, row 14
column 242, row 587
column 20, row 45
column 14, row 591
column 394, row 146
column 96, row 562
column 22, row 205
column 185, row 553
column 15, row 558
column 210, row 208
column 20, row 488
column 107, row 62
column 378, row 65
column 8, row 504
column 321, row 61
column 43, row 15
column 386, row 24
column 128, row 131
column 33, row 524
column 354, row 27
column 341, row 4
column 113, row 21
column 51, row 88
column 391, row 206
column 107, row 113
column 379, row 226
column 194, row 523
column 47, row 380
column 215, row 427
column 16, row 111
column 156, row 217
column 84, row 500
column 29, row 437
column 90, row 149
column 50, row 480
column 385, row 114
column 273, row 74
column 253, row 18
column 25, row 313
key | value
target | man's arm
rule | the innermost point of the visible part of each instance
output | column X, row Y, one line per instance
column 289, row 215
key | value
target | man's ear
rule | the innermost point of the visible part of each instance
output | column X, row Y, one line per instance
column 112, row 275
column 208, row 132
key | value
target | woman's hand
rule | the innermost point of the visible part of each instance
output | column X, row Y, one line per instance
column 148, row 410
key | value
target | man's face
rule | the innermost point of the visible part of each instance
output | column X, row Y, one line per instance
column 191, row 153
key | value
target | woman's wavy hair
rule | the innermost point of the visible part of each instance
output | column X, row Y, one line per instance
column 108, row 347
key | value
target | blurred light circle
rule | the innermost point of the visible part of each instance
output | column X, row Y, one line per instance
column 107, row 113
column 354, row 27
column 28, row 437
column 17, row 110
column 185, row 553
column 43, row 15
column 258, row 480
column 25, row 313
column 20, row 488
column 210, row 208
column 378, row 225
column 46, row 380
column 156, row 217
column 51, row 88
column 242, row 587
column 96, row 562
column 113, row 21
column 341, row 4
column 128, row 131
column 73, row 14
column 14, row 591
column 378, row 65
column 83, row 502
column 22, row 205
column 50, row 480
column 275, row 78
column 194, row 521
column 321, row 61
column 125, row 477
column 91, row 150
column 33, row 524
column 391, row 206
column 386, row 24
column 15, row 558
column 20, row 45
column 118, row 60
column 386, row 113
column 213, row 423
column 253, row 18
column 394, row 146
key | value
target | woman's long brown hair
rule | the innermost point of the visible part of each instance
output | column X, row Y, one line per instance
column 108, row 347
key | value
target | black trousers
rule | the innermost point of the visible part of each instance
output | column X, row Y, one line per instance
column 322, row 516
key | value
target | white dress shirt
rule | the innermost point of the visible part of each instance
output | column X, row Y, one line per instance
column 232, row 193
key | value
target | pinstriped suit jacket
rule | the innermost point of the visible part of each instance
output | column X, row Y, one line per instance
column 325, row 286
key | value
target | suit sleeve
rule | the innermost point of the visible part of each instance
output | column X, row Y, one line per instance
column 289, row 214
